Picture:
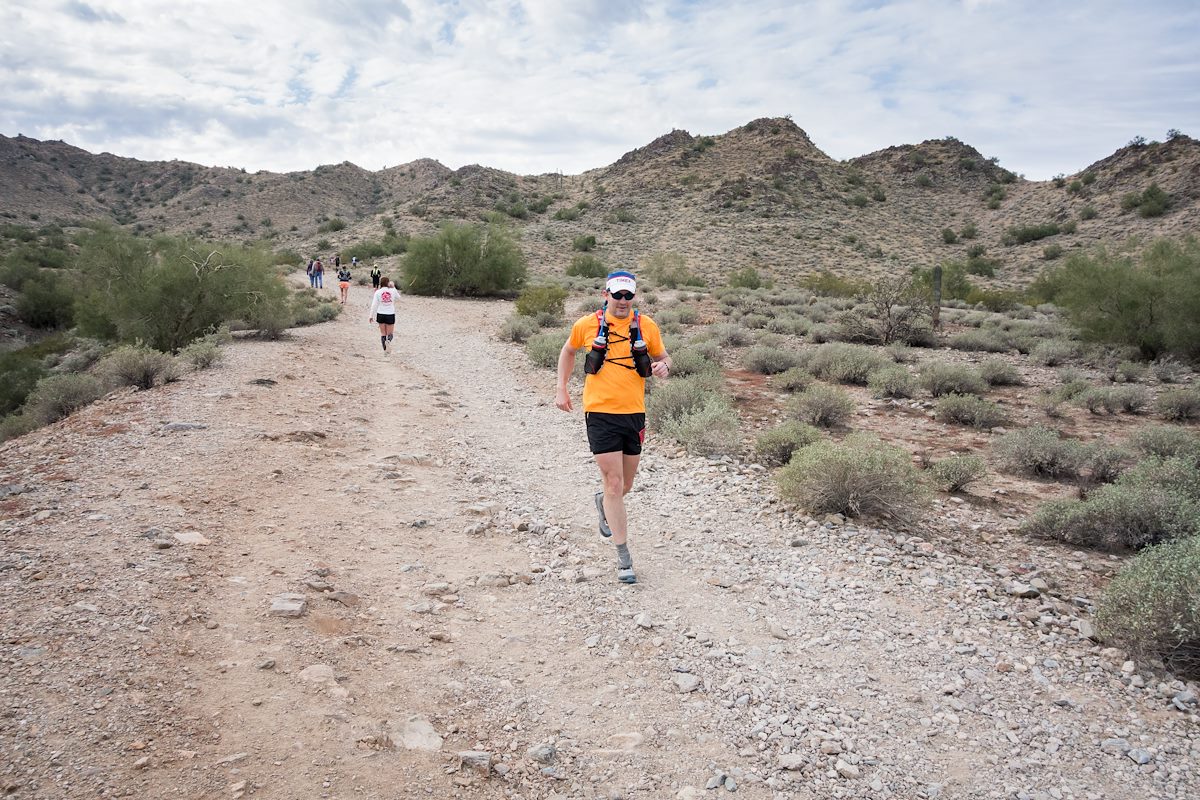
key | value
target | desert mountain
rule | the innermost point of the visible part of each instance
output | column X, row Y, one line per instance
column 761, row 195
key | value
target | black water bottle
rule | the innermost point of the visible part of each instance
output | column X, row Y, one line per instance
column 641, row 356
column 595, row 357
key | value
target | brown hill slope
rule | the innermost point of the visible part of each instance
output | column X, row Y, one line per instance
column 761, row 195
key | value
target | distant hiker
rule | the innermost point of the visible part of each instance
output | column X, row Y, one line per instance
column 383, row 310
column 318, row 274
column 344, row 284
column 354, row 261
column 376, row 274
column 625, row 349
column 311, row 273
column 337, row 261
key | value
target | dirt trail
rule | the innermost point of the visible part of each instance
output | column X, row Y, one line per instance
column 434, row 510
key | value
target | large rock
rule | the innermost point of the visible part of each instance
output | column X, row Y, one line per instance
column 417, row 734
column 289, row 605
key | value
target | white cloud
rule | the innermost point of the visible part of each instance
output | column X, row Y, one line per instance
column 541, row 85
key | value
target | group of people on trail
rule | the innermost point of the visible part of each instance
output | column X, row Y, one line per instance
column 316, row 275
column 624, row 348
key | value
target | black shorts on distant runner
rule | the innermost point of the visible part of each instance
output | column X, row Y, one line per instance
column 610, row 433
column 375, row 281
column 385, row 319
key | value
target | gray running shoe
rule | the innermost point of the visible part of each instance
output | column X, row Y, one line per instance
column 605, row 531
column 625, row 574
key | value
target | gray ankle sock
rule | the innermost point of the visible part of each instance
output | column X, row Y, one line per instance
column 624, row 560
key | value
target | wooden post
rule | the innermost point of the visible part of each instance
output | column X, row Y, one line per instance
column 937, row 298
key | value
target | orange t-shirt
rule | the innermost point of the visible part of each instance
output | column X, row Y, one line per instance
column 616, row 388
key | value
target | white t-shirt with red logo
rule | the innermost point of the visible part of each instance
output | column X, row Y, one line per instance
column 384, row 301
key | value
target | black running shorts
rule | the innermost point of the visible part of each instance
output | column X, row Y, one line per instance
column 609, row 433
column 385, row 319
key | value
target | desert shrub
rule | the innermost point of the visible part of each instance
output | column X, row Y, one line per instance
column 584, row 243
column 1159, row 291
column 775, row 447
column 769, row 360
column 569, row 214
column 332, row 225
column 1023, row 234
column 755, row 321
column 901, row 353
column 894, row 381
column 1128, row 372
column 1153, row 202
column 20, row 370
column 1097, row 399
column 1039, row 452
column 1088, row 212
column 728, row 334
column 746, row 278
column 1131, row 399
column 709, row 428
column 823, row 406
column 861, row 477
column 680, row 397
column 998, row 372
column 846, row 363
column 168, row 290
column 1053, row 352
column 968, row 409
column 940, row 378
column 543, row 348
column 827, row 284
column 547, row 319
column 467, row 260
column 957, row 472
column 788, row 325
column 669, row 270
column 202, row 353
column 949, row 236
column 58, row 396
column 46, row 302
column 535, row 300
column 140, row 366
column 1151, row 608
column 793, row 379
column 16, row 425
column 979, row 341
column 694, row 361
column 1167, row 369
column 586, row 266
column 1179, row 404
column 1166, row 441
column 518, row 329
column 1104, row 463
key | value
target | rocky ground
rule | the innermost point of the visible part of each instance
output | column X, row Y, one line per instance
column 319, row 572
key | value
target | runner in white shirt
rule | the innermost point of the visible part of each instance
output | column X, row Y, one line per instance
column 383, row 310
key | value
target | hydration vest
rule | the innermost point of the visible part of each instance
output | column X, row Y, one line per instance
column 638, row 353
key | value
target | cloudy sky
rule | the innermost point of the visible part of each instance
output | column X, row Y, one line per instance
column 535, row 86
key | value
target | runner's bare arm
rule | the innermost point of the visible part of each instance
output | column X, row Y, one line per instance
column 661, row 365
column 566, row 365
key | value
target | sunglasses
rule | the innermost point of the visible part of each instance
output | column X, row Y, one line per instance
column 621, row 295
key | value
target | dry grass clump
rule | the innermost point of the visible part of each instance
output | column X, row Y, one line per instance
column 140, row 366
column 821, row 405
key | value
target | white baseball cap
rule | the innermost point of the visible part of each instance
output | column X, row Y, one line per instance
column 621, row 281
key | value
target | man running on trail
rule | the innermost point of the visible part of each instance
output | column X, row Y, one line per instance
column 376, row 274
column 625, row 348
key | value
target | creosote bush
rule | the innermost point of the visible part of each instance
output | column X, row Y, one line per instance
column 1152, row 609
column 821, row 405
column 794, row 379
column 846, row 363
column 940, row 378
column 696, row 360
column 679, row 397
column 543, row 348
column 776, row 446
column 968, row 409
column 708, row 429
column 1038, row 452
column 535, row 300
column 957, row 472
column 767, row 360
column 861, row 477
column 140, row 366
column 518, row 329
column 1179, row 405
column 57, row 396
column 895, row 381
column 1166, row 441
column 998, row 372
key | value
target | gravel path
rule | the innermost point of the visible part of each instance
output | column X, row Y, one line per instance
column 459, row 629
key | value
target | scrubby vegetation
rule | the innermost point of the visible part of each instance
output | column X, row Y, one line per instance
column 861, row 477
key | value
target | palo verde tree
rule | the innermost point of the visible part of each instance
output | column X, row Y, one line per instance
column 471, row 260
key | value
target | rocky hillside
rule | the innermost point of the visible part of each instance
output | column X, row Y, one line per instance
column 762, row 195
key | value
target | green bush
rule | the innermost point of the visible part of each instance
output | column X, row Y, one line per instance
column 775, row 447
column 767, row 360
column 669, row 270
column 949, row 236
column 1152, row 609
column 586, row 266
column 16, row 425
column 846, row 363
column 168, row 291
column 466, row 260
column 827, row 284
column 535, row 300
column 1038, row 452
column 1053, row 352
column 1088, row 212
column 679, row 397
column 45, row 302
column 793, row 379
column 1167, row 441
column 569, row 214
column 895, row 381
column 1128, row 372
column 940, row 378
column 332, row 225
column 1153, row 202
column 140, row 366
column 1179, row 405
column 979, row 341
column 1159, row 293
column 998, row 372
column 58, row 396
column 1023, row 234
column 1051, row 252
column 543, row 348
column 518, row 329
column 957, row 472
column 728, row 334
column 860, row 477
column 747, row 278
column 584, row 243
column 823, row 406
column 202, row 353
column 21, row 369
column 1104, row 463
column 968, row 409
column 708, row 429
column 694, row 361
